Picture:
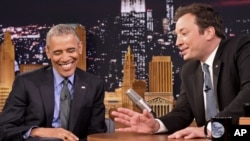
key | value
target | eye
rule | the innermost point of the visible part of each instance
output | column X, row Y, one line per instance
column 57, row 52
column 184, row 33
column 71, row 50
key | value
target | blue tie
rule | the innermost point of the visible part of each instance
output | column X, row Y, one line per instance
column 211, row 103
column 65, row 101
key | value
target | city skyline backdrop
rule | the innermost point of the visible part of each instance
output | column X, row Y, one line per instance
column 109, row 31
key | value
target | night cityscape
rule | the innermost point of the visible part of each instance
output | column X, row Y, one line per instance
column 145, row 27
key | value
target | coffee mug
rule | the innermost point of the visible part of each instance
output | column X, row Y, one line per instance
column 220, row 128
column 246, row 108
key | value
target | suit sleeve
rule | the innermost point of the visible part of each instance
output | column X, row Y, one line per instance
column 97, row 123
column 181, row 116
column 11, row 118
column 239, row 77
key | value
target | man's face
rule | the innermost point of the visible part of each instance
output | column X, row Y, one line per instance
column 64, row 52
column 189, row 40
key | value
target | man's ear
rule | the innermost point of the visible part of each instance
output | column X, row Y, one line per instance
column 47, row 51
column 80, row 47
column 210, row 32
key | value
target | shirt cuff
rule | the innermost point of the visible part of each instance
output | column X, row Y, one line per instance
column 209, row 126
column 26, row 135
column 162, row 127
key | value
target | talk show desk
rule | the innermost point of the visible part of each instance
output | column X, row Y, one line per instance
column 119, row 136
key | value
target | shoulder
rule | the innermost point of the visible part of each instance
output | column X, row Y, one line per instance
column 87, row 76
column 37, row 74
column 233, row 46
column 190, row 67
column 236, row 40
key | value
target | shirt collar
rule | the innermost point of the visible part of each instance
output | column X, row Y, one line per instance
column 211, row 57
column 58, row 78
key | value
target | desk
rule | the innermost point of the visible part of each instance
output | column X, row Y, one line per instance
column 244, row 121
column 118, row 136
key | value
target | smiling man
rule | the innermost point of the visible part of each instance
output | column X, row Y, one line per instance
column 35, row 109
column 202, row 43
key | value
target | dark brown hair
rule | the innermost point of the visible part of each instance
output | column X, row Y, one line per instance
column 205, row 16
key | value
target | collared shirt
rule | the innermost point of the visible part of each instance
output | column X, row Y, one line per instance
column 58, row 79
column 209, row 62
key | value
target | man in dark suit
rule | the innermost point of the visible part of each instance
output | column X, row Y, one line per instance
column 32, row 110
column 201, row 39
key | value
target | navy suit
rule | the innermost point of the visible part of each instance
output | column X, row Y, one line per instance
column 231, row 79
column 31, row 103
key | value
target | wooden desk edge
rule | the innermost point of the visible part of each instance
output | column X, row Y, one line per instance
column 117, row 136
column 244, row 121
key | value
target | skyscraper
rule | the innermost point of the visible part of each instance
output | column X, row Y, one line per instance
column 160, row 95
column 170, row 12
column 160, row 74
column 81, row 32
column 133, row 33
column 130, row 81
column 7, row 74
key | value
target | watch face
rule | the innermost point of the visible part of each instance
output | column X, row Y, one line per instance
column 218, row 129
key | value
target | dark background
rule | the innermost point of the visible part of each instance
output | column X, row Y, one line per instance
column 89, row 13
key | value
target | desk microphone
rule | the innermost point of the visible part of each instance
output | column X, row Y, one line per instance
column 139, row 101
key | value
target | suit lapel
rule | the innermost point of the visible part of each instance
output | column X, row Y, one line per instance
column 79, row 94
column 217, row 67
column 199, row 83
column 216, row 72
column 198, row 77
column 47, row 94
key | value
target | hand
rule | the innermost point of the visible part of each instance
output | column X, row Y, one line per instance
column 60, row 133
column 189, row 133
column 136, row 122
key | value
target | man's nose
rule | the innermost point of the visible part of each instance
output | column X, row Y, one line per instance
column 65, row 56
column 178, row 42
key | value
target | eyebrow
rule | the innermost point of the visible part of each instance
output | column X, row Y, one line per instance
column 180, row 30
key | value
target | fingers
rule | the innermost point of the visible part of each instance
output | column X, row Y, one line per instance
column 174, row 136
column 124, row 115
column 188, row 133
column 124, row 129
column 61, row 133
column 121, row 115
column 147, row 114
column 123, row 121
column 126, row 111
column 67, row 135
column 179, row 134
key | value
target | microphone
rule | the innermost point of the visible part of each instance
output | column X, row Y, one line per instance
column 139, row 101
column 64, row 97
column 207, row 89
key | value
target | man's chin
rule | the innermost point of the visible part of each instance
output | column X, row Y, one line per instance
column 67, row 73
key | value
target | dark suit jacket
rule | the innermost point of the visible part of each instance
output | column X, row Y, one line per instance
column 31, row 103
column 231, row 78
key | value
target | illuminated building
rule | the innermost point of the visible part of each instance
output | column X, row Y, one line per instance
column 160, row 95
column 133, row 33
column 119, row 98
column 7, row 74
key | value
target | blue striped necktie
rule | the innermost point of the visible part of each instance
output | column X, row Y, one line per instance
column 211, row 102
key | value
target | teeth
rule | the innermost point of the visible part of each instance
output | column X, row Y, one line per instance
column 66, row 65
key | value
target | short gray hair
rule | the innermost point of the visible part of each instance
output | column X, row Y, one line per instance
column 59, row 30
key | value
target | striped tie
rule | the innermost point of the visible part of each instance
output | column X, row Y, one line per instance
column 65, row 100
column 210, row 96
